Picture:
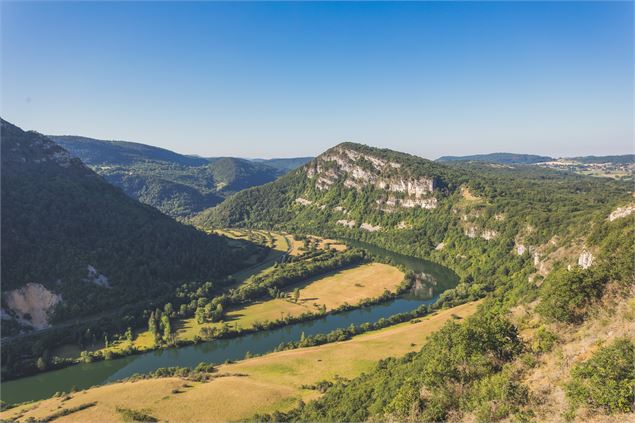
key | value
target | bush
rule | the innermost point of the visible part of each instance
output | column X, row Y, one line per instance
column 544, row 340
column 566, row 295
column 606, row 381
column 129, row 415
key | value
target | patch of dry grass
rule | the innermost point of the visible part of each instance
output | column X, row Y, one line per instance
column 345, row 286
column 272, row 383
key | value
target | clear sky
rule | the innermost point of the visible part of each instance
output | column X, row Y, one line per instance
column 290, row 79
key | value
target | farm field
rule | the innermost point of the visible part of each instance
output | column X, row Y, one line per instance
column 259, row 385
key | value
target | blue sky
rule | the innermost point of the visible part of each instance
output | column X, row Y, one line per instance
column 288, row 79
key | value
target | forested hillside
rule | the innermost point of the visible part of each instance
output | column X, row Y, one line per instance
column 176, row 184
column 73, row 244
column 550, row 251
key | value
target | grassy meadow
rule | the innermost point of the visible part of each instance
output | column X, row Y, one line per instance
column 261, row 384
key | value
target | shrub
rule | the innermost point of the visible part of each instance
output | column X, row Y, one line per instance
column 544, row 340
column 566, row 295
column 606, row 381
column 129, row 415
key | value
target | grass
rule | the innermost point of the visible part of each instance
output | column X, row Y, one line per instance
column 331, row 291
column 345, row 286
column 273, row 381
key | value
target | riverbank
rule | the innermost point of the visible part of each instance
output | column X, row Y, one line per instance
column 273, row 382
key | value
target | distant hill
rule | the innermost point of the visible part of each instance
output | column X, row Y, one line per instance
column 72, row 238
column 101, row 152
column 621, row 159
column 178, row 185
column 285, row 164
column 501, row 158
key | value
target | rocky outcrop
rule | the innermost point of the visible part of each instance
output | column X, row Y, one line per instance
column 357, row 170
column 347, row 223
column 404, row 225
column 370, row 228
column 489, row 234
column 471, row 231
column 97, row 278
column 622, row 212
column 303, row 201
column 586, row 259
column 33, row 303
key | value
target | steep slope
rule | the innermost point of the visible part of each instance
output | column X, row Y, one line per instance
column 349, row 180
column 549, row 250
column 176, row 184
column 72, row 244
column 231, row 174
column 501, row 158
column 413, row 205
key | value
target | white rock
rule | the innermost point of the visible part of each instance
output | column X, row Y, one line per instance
column 586, row 259
column 489, row 234
column 621, row 212
column 370, row 228
column 348, row 223
column 97, row 278
column 303, row 201
column 35, row 300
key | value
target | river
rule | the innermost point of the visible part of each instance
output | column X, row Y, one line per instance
column 82, row 376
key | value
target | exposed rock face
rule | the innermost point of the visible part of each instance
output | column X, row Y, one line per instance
column 357, row 170
column 489, row 234
column 303, row 201
column 32, row 302
column 97, row 278
column 471, row 231
column 404, row 225
column 39, row 149
column 347, row 223
column 370, row 228
column 621, row 212
column 586, row 259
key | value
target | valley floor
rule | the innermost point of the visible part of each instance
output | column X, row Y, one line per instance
column 258, row 385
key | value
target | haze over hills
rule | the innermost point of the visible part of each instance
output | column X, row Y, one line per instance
column 502, row 158
column 73, row 244
column 178, row 185
column 513, row 158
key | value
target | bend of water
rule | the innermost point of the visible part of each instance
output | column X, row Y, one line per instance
column 85, row 375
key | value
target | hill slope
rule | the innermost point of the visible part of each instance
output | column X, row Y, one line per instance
column 549, row 250
column 176, row 184
column 82, row 244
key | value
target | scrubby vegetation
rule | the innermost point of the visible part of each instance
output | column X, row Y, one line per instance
column 606, row 381
column 502, row 229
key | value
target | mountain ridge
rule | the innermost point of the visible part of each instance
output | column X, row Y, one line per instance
column 178, row 185
column 78, row 237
